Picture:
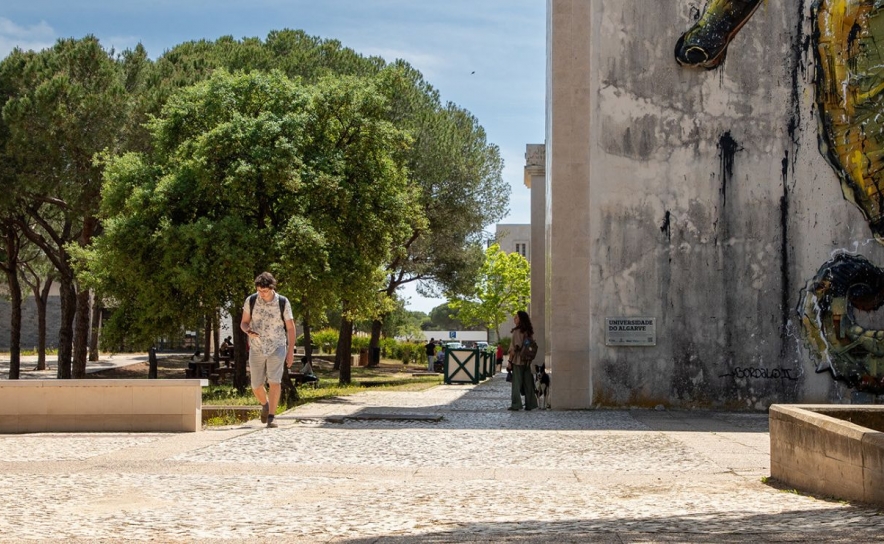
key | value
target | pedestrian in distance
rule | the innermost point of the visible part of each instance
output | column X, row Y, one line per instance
column 430, row 349
column 499, row 355
column 226, row 346
column 267, row 320
column 523, row 380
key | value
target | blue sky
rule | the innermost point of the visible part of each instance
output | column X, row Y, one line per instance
column 487, row 56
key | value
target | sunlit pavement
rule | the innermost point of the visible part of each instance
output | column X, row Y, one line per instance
column 340, row 472
column 29, row 370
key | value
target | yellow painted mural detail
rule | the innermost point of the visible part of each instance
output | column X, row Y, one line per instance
column 850, row 79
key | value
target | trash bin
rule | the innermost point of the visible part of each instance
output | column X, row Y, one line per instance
column 375, row 356
column 363, row 357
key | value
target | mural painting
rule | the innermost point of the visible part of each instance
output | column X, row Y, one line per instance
column 850, row 104
column 705, row 44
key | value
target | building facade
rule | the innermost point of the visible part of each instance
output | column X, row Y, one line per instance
column 711, row 229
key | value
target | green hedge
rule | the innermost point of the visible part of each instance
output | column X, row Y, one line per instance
column 407, row 352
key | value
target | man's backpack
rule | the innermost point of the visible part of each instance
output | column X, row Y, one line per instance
column 282, row 300
column 528, row 351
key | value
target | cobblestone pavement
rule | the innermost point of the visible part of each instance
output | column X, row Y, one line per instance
column 339, row 472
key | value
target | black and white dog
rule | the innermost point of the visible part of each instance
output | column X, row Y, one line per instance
column 541, row 386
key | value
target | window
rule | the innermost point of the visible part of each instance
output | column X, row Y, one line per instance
column 522, row 249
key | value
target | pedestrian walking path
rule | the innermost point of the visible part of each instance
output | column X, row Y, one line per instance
column 374, row 468
column 106, row 362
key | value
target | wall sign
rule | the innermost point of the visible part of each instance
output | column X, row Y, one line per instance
column 630, row 331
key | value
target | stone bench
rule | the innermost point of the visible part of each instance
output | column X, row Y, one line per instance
column 31, row 406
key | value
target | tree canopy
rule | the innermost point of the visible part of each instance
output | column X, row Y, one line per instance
column 167, row 185
column 502, row 288
column 250, row 172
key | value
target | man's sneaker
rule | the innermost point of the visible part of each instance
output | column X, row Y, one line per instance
column 265, row 411
column 270, row 423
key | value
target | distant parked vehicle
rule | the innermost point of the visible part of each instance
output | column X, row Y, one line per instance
column 454, row 345
column 482, row 345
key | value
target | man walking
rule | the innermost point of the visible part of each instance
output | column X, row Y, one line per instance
column 431, row 354
column 267, row 320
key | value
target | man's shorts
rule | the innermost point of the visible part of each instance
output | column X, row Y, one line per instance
column 266, row 367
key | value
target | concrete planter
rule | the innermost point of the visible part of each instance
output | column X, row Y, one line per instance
column 830, row 450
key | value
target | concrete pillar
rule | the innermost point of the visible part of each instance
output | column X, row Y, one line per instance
column 568, row 240
column 535, row 180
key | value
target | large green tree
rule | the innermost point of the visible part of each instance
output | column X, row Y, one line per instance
column 249, row 172
column 457, row 174
column 502, row 288
column 62, row 106
column 190, row 224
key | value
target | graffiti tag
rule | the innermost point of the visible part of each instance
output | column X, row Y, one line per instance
column 761, row 373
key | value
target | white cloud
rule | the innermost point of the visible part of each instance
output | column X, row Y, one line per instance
column 119, row 43
column 428, row 64
column 33, row 37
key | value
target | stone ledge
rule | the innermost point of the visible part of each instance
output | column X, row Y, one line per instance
column 100, row 405
column 817, row 448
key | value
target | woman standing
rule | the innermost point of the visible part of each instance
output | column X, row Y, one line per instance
column 523, row 381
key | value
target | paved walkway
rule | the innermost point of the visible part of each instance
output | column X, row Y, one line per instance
column 105, row 362
column 481, row 474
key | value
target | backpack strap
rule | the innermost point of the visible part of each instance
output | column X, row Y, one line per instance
column 282, row 301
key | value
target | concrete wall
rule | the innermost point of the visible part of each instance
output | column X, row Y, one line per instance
column 29, row 323
column 697, row 197
column 827, row 455
column 31, row 406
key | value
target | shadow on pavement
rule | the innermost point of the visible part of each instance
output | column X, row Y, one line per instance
column 720, row 528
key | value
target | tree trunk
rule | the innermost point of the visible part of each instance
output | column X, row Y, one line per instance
column 14, row 325
column 375, row 341
column 342, row 357
column 11, row 242
column 207, row 337
column 289, row 391
column 66, row 330
column 240, row 354
column 95, row 336
column 40, row 300
column 216, row 334
column 83, row 309
column 308, row 337
column 81, row 332
column 153, row 364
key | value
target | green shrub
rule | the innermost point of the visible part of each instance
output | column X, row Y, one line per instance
column 326, row 339
column 358, row 343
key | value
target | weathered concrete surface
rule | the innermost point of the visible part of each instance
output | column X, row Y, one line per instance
column 817, row 449
column 697, row 197
column 482, row 474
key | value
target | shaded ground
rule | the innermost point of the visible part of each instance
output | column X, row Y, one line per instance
column 168, row 367
column 390, row 371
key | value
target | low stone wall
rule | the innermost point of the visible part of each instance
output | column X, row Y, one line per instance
column 30, row 406
column 822, row 449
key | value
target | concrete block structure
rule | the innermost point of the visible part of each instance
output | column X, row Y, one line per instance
column 831, row 451
column 710, row 229
column 31, row 406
